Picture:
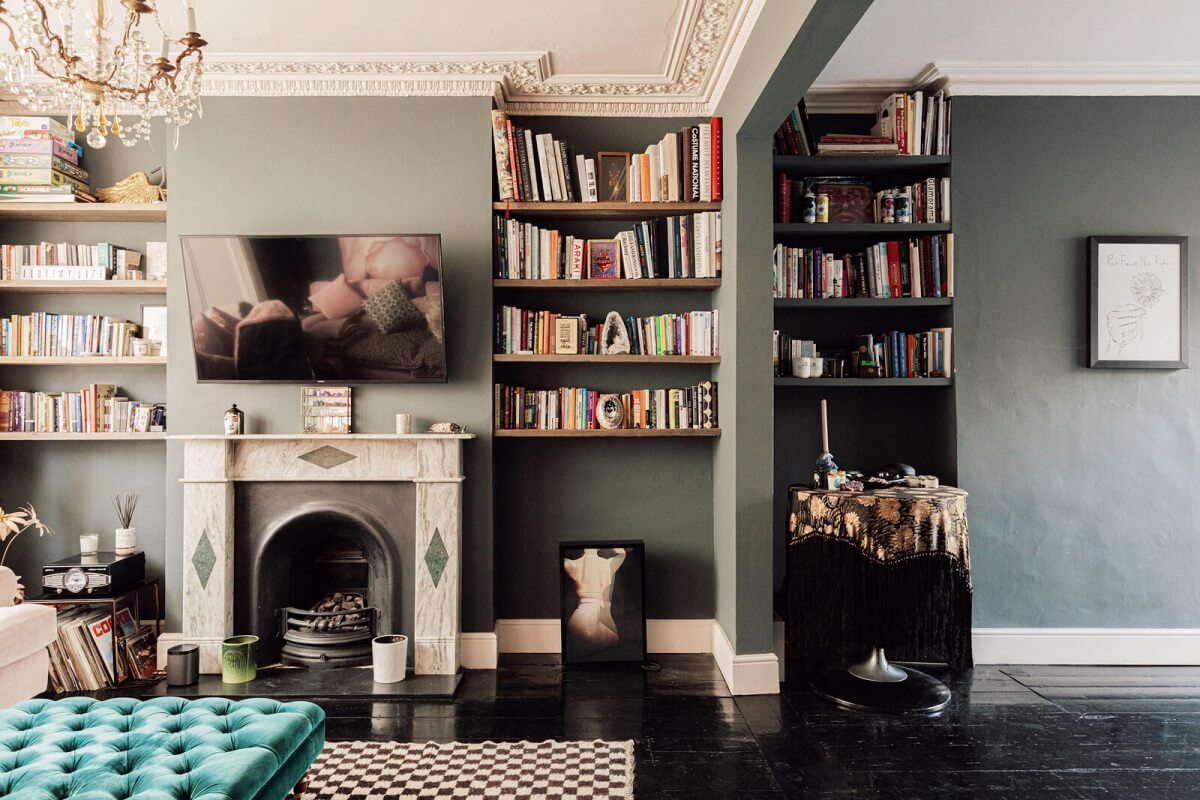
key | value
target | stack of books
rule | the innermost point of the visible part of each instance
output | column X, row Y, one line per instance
column 689, row 333
column 94, row 409
column 574, row 409
column 64, row 261
column 44, row 334
column 906, row 123
column 40, row 162
column 685, row 246
column 81, row 658
column 920, row 267
column 683, row 166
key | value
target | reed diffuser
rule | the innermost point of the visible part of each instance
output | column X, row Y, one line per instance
column 126, row 534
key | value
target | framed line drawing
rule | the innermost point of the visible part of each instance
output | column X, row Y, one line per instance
column 1137, row 308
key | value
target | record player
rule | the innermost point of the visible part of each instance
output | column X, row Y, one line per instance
column 94, row 575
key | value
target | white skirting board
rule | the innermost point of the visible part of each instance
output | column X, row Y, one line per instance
column 753, row 673
column 1087, row 646
column 478, row 650
column 662, row 635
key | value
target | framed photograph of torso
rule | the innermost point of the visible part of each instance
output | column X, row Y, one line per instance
column 603, row 589
column 1138, row 305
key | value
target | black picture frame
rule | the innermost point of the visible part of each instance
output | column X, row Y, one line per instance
column 1099, row 354
column 625, row 606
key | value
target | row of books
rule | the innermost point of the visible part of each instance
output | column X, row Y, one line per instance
column 854, row 200
column 39, row 162
column 94, row 409
column 689, row 333
column 82, row 657
column 41, row 333
column 572, row 408
column 64, row 261
column 906, row 123
column 920, row 267
column 683, row 166
column 894, row 354
column 685, row 246
column 927, row 201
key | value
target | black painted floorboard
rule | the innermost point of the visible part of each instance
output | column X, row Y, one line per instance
column 1010, row 732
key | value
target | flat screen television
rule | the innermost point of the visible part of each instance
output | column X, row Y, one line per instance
column 350, row 309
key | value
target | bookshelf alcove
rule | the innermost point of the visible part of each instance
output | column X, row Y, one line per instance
column 873, row 421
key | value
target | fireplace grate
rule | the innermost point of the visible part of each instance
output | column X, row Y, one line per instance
column 325, row 639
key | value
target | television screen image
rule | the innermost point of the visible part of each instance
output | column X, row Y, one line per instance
column 353, row 309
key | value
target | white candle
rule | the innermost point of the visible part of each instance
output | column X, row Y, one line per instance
column 166, row 45
column 191, row 14
column 824, row 429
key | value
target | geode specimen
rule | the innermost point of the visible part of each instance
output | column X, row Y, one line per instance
column 614, row 339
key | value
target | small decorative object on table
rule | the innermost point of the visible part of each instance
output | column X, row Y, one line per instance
column 827, row 475
column 615, row 338
column 239, row 659
column 446, row 427
column 325, row 409
column 610, row 413
column 12, row 525
column 126, row 534
column 134, row 189
column 403, row 424
column 235, row 421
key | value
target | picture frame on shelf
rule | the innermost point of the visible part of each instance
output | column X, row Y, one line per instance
column 604, row 259
column 614, row 177
column 154, row 327
column 603, row 590
column 1138, row 302
column 326, row 409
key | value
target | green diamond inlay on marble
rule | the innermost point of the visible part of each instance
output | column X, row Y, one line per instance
column 204, row 559
column 436, row 556
column 327, row 457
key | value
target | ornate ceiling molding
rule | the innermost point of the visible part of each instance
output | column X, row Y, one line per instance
column 705, row 45
column 997, row 78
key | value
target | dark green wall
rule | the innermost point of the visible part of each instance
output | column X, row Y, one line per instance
column 1083, row 499
column 347, row 165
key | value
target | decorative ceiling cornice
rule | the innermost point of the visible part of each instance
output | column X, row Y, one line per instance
column 1017, row 78
column 704, row 47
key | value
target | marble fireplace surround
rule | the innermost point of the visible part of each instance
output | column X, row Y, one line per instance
column 433, row 462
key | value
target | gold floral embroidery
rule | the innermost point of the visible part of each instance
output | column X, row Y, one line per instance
column 851, row 522
column 792, row 518
column 889, row 509
column 816, row 507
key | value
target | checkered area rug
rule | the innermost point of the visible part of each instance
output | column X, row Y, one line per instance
column 434, row 771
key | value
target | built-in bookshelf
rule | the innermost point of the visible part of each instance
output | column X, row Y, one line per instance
column 83, row 361
column 71, row 436
column 84, row 287
column 873, row 420
column 586, row 219
column 83, row 212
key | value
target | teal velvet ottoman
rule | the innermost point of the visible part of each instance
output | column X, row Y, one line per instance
column 167, row 748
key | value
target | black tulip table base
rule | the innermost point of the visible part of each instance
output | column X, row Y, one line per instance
column 876, row 685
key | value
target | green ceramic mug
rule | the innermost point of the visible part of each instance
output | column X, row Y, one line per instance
column 239, row 659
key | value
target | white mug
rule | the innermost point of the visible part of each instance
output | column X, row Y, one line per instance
column 403, row 424
column 818, row 367
column 804, row 368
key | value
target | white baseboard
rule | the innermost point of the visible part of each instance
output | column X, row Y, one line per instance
column 662, row 635
column 478, row 650
column 1087, row 646
column 754, row 673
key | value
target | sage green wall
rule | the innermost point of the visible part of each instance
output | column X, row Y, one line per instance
column 1083, row 481
column 70, row 482
column 346, row 165
column 791, row 42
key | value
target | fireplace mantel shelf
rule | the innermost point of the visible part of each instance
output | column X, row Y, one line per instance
column 293, row 436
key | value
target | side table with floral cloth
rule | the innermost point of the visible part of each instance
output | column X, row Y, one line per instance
column 887, row 568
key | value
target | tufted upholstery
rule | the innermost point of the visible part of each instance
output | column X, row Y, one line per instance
column 167, row 748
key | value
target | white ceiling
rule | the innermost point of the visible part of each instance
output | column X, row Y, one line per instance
column 1022, row 47
column 537, row 56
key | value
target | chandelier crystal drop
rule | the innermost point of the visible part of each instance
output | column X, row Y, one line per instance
column 112, row 75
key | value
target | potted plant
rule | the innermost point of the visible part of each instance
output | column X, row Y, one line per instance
column 12, row 525
column 126, row 534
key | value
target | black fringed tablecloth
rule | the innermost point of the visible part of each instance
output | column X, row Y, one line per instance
column 890, row 567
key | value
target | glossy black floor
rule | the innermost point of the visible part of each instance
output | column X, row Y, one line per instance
column 1011, row 732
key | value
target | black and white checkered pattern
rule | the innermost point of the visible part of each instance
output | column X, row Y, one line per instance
column 432, row 771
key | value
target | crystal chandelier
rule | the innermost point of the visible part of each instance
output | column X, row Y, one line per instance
column 106, row 73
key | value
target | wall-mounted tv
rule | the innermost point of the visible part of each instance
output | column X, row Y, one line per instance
column 351, row 309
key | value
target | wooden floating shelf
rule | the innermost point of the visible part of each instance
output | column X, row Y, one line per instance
column 884, row 230
column 84, row 287
column 80, row 361
column 62, row 436
column 604, row 210
column 558, row 358
column 616, row 285
column 865, row 382
column 619, row 433
column 84, row 212
column 807, row 166
column 831, row 303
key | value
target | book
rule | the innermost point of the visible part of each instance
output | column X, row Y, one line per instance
column 500, row 138
column 21, row 127
column 705, row 155
column 32, row 176
column 70, row 153
column 141, row 652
